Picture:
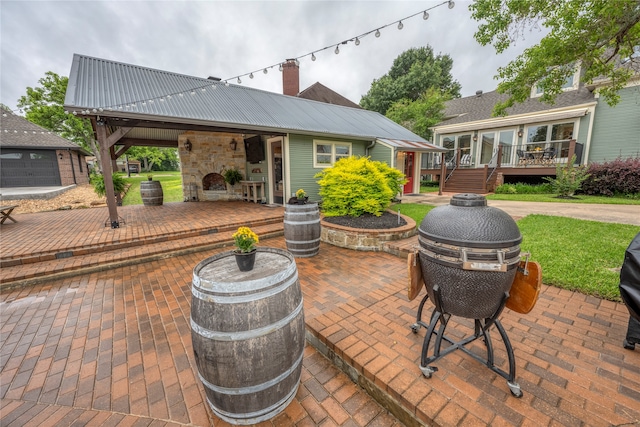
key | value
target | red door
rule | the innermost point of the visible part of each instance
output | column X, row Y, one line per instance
column 408, row 172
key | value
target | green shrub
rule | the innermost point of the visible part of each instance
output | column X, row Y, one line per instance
column 522, row 188
column 568, row 178
column 357, row 185
column 97, row 180
column 429, row 183
column 506, row 189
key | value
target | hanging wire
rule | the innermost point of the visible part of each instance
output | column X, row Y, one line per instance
column 356, row 39
column 225, row 82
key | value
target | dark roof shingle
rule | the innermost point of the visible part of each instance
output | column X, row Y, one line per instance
column 18, row 132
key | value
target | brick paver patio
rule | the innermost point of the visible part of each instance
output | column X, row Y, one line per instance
column 113, row 347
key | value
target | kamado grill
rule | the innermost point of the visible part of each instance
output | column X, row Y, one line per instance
column 469, row 254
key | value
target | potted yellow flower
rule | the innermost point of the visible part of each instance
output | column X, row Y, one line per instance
column 245, row 242
column 301, row 195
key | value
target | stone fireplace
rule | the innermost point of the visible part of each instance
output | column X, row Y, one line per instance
column 204, row 160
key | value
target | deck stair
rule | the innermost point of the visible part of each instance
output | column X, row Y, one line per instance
column 464, row 180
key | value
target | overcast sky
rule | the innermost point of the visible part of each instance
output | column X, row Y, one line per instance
column 230, row 38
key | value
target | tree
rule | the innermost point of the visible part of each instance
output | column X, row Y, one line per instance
column 412, row 73
column 602, row 37
column 44, row 106
column 419, row 115
column 152, row 155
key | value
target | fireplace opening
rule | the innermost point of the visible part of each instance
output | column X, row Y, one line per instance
column 214, row 182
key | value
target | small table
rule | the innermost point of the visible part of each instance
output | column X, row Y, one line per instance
column 535, row 156
column 5, row 212
column 250, row 190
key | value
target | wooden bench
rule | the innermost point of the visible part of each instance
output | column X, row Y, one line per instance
column 5, row 212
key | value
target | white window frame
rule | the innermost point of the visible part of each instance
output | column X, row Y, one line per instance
column 536, row 91
column 333, row 152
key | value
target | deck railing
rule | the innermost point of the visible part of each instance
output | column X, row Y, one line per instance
column 536, row 154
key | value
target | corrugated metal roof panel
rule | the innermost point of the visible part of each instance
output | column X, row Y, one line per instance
column 131, row 91
column 404, row 145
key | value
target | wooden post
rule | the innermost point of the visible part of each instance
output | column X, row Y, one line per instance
column 443, row 173
column 572, row 150
column 499, row 159
column 484, row 178
column 107, row 174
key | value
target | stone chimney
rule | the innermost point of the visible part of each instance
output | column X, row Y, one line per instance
column 290, row 78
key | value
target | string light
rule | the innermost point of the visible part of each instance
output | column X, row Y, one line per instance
column 356, row 40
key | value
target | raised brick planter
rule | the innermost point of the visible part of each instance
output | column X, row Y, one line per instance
column 361, row 239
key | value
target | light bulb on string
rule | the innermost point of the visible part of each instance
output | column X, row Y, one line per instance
column 180, row 95
column 377, row 33
column 250, row 75
column 297, row 62
column 425, row 15
column 313, row 57
column 357, row 41
column 451, row 4
column 280, row 67
column 239, row 81
column 337, row 51
column 226, row 83
column 400, row 25
column 265, row 71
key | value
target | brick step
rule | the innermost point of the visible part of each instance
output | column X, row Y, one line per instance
column 127, row 243
column 37, row 272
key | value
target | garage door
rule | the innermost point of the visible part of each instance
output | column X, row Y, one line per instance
column 29, row 168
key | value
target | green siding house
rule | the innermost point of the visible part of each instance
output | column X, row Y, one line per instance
column 485, row 151
column 277, row 142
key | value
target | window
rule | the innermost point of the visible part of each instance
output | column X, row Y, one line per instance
column 556, row 136
column 80, row 161
column 326, row 153
column 11, row 156
column 40, row 156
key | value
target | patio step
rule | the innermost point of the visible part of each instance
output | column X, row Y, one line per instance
column 82, row 261
column 126, row 243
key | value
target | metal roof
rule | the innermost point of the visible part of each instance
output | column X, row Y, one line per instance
column 18, row 132
column 114, row 89
column 404, row 145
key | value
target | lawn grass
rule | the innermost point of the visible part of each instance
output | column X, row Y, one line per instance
column 171, row 187
column 578, row 255
column 577, row 199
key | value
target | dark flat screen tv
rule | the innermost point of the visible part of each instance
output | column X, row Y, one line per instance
column 254, row 148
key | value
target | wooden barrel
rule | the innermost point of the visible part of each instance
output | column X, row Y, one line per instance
column 302, row 229
column 248, row 334
column 151, row 193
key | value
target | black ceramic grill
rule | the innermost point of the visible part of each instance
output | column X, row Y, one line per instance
column 469, row 253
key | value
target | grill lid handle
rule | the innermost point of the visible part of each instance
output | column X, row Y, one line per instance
column 468, row 200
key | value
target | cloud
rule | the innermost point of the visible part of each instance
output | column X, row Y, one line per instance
column 230, row 38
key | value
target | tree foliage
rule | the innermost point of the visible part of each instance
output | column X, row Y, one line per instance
column 44, row 106
column 150, row 156
column 419, row 115
column 599, row 36
column 412, row 73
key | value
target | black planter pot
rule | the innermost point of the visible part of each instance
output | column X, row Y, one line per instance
column 245, row 260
